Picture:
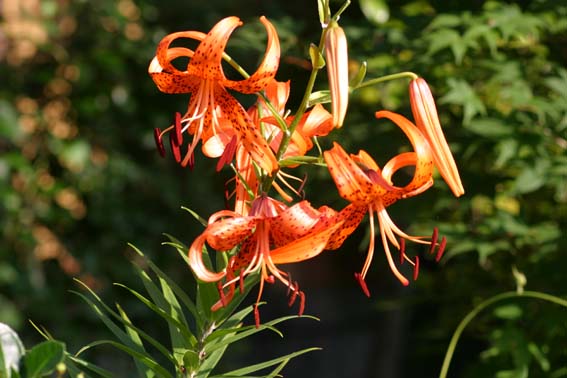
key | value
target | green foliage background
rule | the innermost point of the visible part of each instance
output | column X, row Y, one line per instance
column 79, row 176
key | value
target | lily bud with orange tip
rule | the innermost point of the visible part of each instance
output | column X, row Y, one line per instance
column 426, row 119
column 336, row 54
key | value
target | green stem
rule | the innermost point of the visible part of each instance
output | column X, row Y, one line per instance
column 267, row 183
column 382, row 79
column 470, row 316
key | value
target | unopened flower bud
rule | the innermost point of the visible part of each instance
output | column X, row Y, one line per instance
column 337, row 69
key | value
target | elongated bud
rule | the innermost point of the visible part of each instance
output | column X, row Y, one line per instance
column 426, row 118
column 336, row 54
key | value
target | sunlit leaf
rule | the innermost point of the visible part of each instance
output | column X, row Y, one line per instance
column 43, row 358
column 266, row 364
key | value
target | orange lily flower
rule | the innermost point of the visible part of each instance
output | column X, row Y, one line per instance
column 426, row 118
column 336, row 52
column 370, row 189
column 315, row 122
column 211, row 108
column 271, row 234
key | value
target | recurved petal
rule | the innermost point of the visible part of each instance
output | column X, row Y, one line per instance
column 317, row 122
column 351, row 181
column 352, row 216
column 278, row 93
column 227, row 233
column 250, row 137
column 197, row 264
column 267, row 69
column 166, row 55
column 293, row 223
column 168, row 78
column 424, row 160
column 304, row 248
column 392, row 166
column 427, row 120
column 206, row 62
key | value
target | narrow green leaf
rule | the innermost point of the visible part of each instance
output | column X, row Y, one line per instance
column 201, row 220
column 267, row 364
column 170, row 319
column 170, row 306
column 71, row 362
column 43, row 358
column 360, row 75
column 210, row 362
column 142, row 357
column 249, row 283
column 209, row 348
column 187, row 302
column 119, row 333
column 143, row 371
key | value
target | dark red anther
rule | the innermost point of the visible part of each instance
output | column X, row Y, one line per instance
column 178, row 135
column 241, row 282
column 301, row 303
column 362, row 284
column 270, row 279
column 228, row 153
column 441, row 249
column 300, row 189
column 292, row 298
column 289, row 287
column 221, row 294
column 416, row 268
column 174, row 148
column 256, row 316
column 191, row 161
column 159, row 141
column 402, row 250
column 434, row 240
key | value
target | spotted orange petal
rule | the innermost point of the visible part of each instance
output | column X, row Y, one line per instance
column 250, row 136
column 352, row 183
column 168, row 78
column 352, row 216
column 304, row 248
column 267, row 69
column 227, row 233
column 294, row 222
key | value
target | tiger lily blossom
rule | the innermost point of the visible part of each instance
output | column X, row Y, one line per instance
column 270, row 234
column 426, row 118
column 370, row 189
column 211, row 108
